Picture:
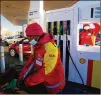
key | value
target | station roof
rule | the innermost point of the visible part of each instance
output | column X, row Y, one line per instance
column 16, row 11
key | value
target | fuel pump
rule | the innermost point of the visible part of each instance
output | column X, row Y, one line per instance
column 62, row 30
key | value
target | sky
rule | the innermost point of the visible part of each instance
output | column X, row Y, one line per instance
column 5, row 24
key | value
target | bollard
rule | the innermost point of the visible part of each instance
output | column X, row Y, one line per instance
column 2, row 59
column 21, row 54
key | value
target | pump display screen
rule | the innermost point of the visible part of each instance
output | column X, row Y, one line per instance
column 89, row 34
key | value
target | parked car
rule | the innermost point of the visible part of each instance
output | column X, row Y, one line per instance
column 14, row 48
column 12, row 39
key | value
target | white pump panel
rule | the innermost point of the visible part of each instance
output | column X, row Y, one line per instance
column 89, row 13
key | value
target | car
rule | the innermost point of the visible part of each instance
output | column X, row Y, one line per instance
column 12, row 39
column 14, row 47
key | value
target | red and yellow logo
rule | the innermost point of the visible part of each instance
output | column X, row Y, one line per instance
column 51, row 55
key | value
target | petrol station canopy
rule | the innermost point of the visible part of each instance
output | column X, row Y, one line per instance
column 17, row 11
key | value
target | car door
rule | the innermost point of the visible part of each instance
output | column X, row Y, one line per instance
column 26, row 46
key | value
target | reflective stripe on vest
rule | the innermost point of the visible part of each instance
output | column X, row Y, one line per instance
column 56, row 85
column 28, row 70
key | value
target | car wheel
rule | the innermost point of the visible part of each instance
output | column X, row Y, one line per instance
column 12, row 52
